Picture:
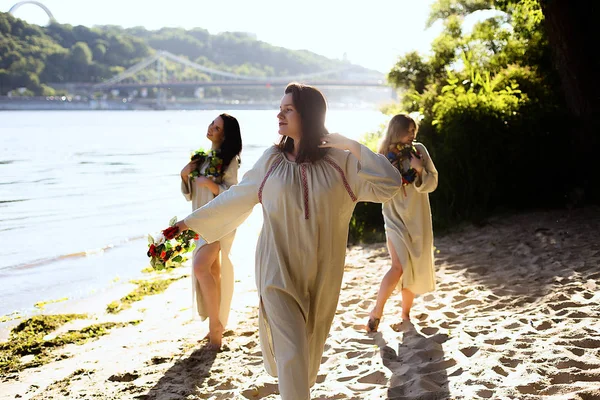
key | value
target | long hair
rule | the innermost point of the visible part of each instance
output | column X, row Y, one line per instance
column 312, row 107
column 232, row 144
column 398, row 127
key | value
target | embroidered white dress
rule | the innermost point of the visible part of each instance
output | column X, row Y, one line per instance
column 199, row 196
column 301, row 249
column 408, row 227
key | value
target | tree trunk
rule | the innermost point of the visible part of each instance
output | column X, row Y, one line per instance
column 570, row 25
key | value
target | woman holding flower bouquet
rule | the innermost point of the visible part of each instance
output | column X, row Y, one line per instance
column 308, row 186
column 206, row 176
column 407, row 219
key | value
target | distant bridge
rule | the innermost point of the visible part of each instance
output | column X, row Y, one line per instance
column 35, row 3
column 224, row 79
column 238, row 84
column 129, row 81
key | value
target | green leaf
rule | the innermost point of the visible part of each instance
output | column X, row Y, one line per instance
column 177, row 259
column 150, row 239
column 173, row 221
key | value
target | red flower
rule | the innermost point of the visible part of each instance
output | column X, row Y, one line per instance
column 171, row 232
column 196, row 237
column 163, row 254
column 152, row 251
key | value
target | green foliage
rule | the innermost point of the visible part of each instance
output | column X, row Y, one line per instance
column 30, row 338
column 494, row 120
column 145, row 288
column 366, row 225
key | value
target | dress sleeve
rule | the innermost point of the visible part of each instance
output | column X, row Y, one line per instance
column 229, row 210
column 186, row 189
column 375, row 179
column 428, row 180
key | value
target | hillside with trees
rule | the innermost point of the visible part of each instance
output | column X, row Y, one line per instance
column 34, row 57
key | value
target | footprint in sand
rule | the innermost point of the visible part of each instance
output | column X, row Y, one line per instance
column 500, row 371
column 374, row 378
column 469, row 351
column 429, row 331
column 125, row 377
column 467, row 303
column 346, row 378
column 351, row 302
column 495, row 342
column 510, row 362
column 543, row 326
column 587, row 343
column 259, row 392
column 437, row 366
column 359, row 354
column 576, row 350
column 339, row 396
column 512, row 326
column 449, row 324
column 581, row 365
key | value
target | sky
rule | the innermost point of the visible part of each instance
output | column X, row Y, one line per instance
column 371, row 33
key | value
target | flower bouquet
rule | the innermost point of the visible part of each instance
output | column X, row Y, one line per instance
column 215, row 165
column 398, row 154
column 166, row 250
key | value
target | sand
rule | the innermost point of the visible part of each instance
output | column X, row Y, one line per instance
column 516, row 315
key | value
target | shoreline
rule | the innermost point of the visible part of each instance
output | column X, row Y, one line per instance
column 514, row 315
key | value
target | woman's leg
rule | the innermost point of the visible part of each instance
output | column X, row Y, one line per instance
column 407, row 301
column 204, row 258
column 388, row 284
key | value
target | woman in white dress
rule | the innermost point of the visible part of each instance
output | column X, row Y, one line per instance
column 308, row 186
column 212, row 280
column 407, row 217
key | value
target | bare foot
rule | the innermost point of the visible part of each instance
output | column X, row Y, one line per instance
column 373, row 323
column 204, row 338
column 215, row 335
column 404, row 326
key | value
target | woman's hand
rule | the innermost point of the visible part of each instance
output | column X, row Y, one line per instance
column 202, row 181
column 187, row 170
column 182, row 226
column 337, row 141
column 416, row 162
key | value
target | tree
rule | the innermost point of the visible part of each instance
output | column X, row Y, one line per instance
column 81, row 54
column 570, row 26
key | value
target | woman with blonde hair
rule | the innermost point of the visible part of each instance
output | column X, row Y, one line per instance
column 407, row 217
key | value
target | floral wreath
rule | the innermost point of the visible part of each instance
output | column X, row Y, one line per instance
column 214, row 170
column 166, row 250
column 398, row 154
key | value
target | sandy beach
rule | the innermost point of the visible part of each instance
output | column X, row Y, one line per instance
column 516, row 315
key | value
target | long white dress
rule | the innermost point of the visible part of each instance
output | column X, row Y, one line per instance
column 301, row 249
column 408, row 227
column 199, row 196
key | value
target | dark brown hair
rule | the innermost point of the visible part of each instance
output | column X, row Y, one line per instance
column 312, row 107
column 232, row 145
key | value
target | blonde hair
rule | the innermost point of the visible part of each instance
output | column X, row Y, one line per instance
column 396, row 129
